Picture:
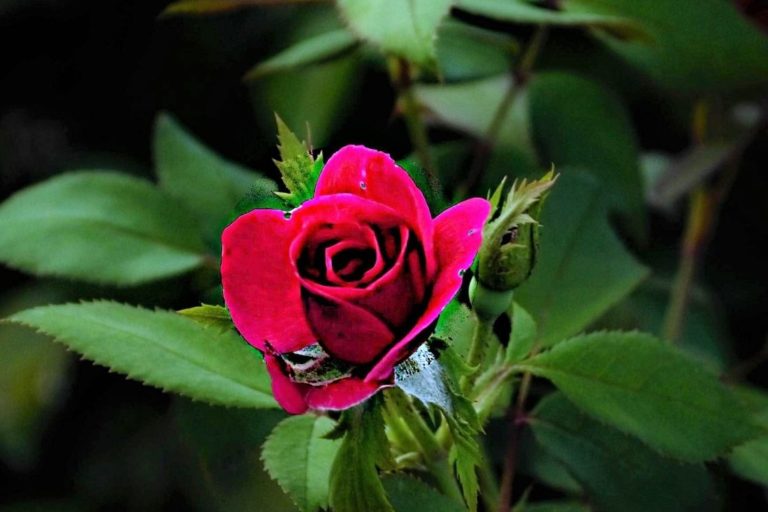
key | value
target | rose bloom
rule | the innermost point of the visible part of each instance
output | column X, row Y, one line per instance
column 339, row 291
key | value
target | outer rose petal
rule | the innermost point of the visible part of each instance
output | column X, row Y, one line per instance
column 375, row 176
column 288, row 394
column 458, row 235
column 296, row 398
column 261, row 288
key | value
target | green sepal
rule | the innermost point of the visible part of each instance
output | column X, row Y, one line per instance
column 213, row 316
column 298, row 168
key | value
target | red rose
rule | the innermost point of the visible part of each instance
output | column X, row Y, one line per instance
column 339, row 291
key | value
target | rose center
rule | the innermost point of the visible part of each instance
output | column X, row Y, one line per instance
column 352, row 264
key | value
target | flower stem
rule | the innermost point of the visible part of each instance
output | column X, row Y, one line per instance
column 401, row 76
column 480, row 337
column 435, row 458
column 516, row 421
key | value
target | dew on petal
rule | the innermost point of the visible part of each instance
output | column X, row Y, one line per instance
column 471, row 232
column 363, row 186
column 287, row 215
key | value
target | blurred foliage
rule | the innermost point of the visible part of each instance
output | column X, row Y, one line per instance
column 604, row 90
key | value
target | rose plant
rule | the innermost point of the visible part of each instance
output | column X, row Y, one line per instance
column 340, row 290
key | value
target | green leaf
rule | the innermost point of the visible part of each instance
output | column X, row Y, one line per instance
column 523, row 335
column 647, row 388
column 561, row 107
column 355, row 483
column 299, row 457
column 465, row 455
column 466, row 52
column 160, row 348
column 435, row 200
column 471, row 107
column 100, row 227
column 206, row 183
column 306, row 52
column 617, row 471
column 695, row 47
column 455, row 327
column 405, row 28
column 582, row 269
column 297, row 167
column 570, row 13
column 750, row 460
column 409, row 494
column 213, row 316
column 34, row 373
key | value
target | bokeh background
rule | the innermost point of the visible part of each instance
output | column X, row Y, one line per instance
column 81, row 83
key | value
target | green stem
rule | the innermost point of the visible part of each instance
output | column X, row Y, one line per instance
column 480, row 338
column 435, row 458
column 516, row 419
column 520, row 75
column 401, row 76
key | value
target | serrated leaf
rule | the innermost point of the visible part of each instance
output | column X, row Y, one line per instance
column 213, row 316
column 205, row 182
column 455, row 326
column 647, row 388
column 579, row 253
column 405, row 28
column 561, row 105
column 617, row 471
column 297, row 167
column 409, row 494
column 299, row 457
column 466, row 457
column 160, row 348
column 355, row 483
column 570, row 13
column 99, row 227
column 306, row 52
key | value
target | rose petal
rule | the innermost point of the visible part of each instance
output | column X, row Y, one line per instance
column 375, row 176
column 261, row 288
column 458, row 234
column 342, row 394
column 288, row 394
column 346, row 331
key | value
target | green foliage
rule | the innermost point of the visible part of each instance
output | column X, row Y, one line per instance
column 647, row 388
column 205, row 7
column 466, row 52
column 523, row 337
column 33, row 376
column 299, row 457
column 99, row 227
column 213, row 316
column 207, row 184
column 700, row 46
column 223, row 446
column 404, row 28
column 750, row 460
column 577, row 122
column 162, row 349
column 570, row 13
column 306, row 52
column 298, row 168
column 455, row 327
column 570, row 287
column 408, row 494
column 355, row 483
column 554, row 506
column 617, row 471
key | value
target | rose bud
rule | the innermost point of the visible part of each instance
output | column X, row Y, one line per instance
column 342, row 289
column 509, row 250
